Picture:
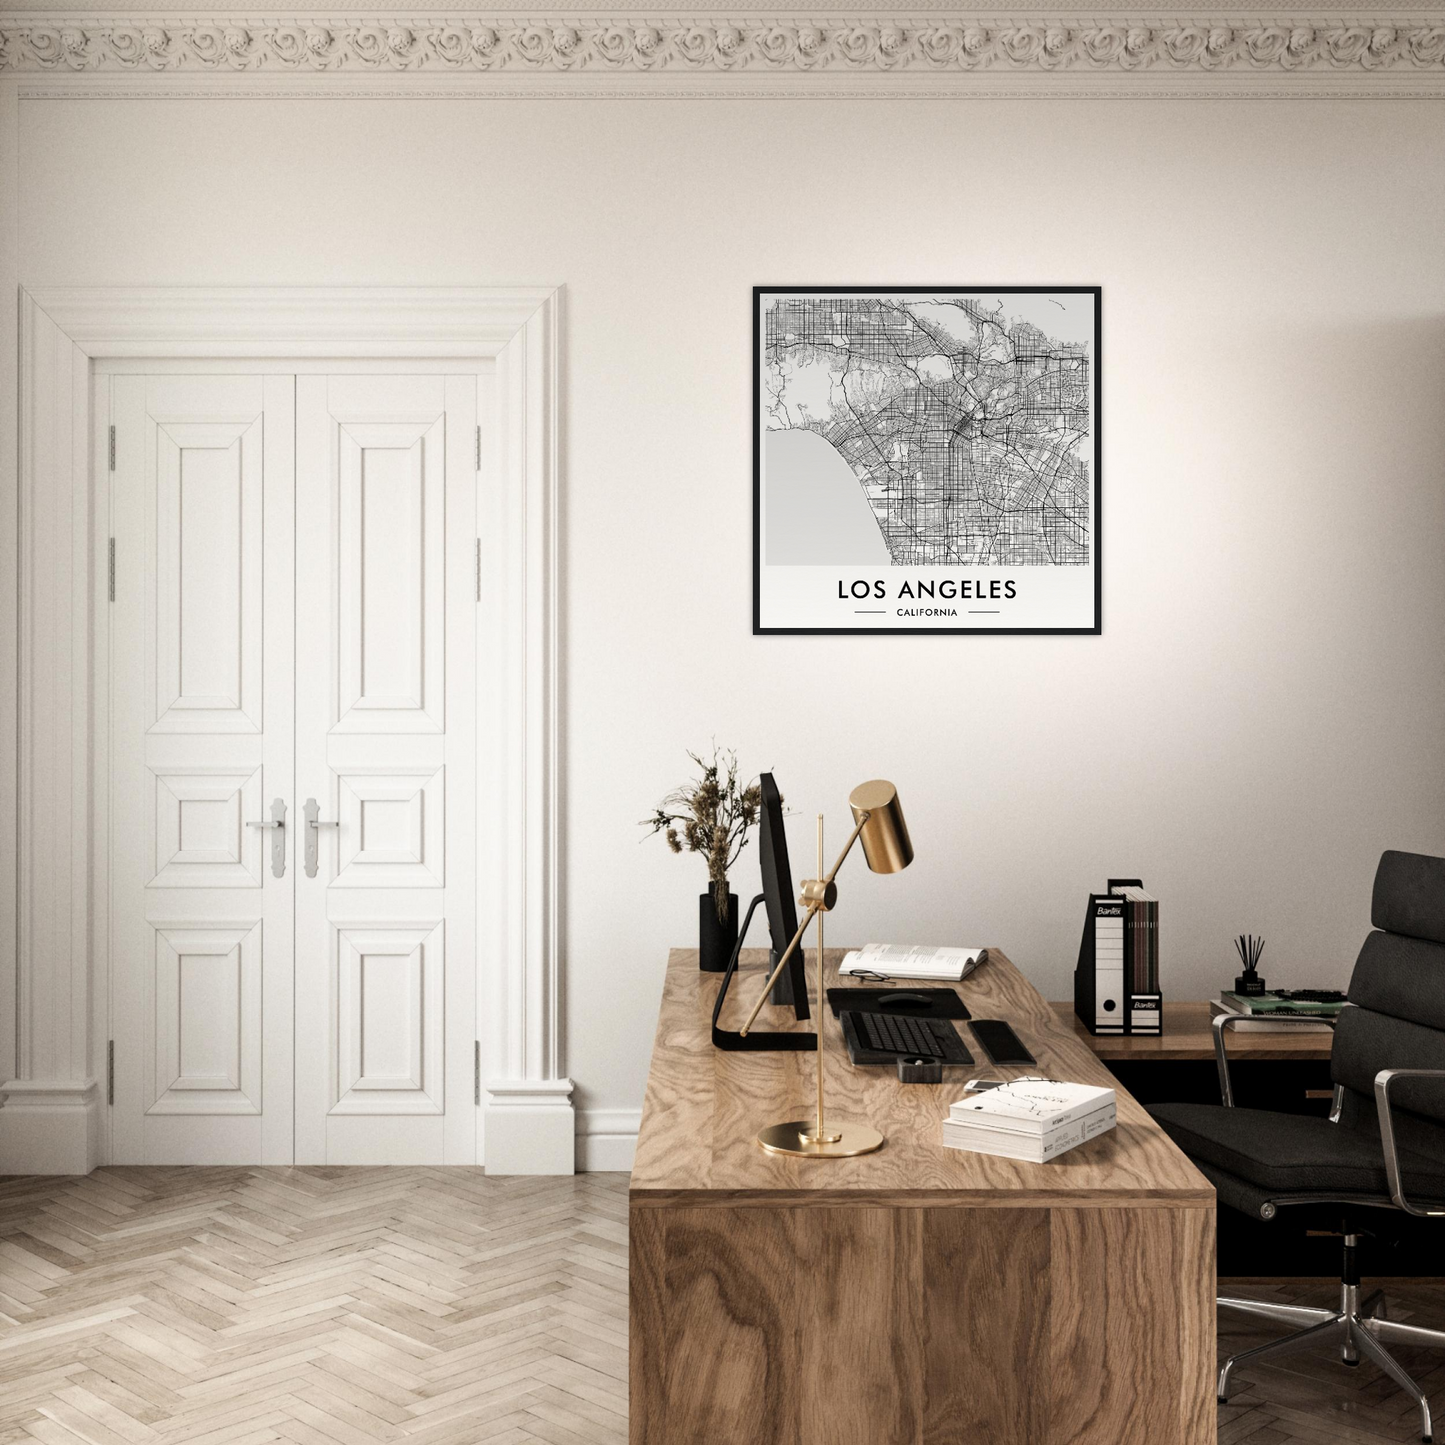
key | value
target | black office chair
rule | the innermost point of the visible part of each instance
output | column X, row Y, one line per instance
column 1382, row 1149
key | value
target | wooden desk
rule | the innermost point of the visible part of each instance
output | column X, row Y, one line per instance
column 1187, row 1036
column 919, row 1295
column 1285, row 1072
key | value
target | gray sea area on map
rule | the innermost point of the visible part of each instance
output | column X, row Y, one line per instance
column 817, row 514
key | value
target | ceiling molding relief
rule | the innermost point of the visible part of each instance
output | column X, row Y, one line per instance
column 1406, row 56
column 55, row 43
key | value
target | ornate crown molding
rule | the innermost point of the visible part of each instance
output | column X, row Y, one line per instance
column 878, row 47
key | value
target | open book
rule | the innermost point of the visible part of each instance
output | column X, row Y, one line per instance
column 902, row 960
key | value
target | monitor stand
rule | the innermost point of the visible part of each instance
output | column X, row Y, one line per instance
column 757, row 1040
column 782, row 993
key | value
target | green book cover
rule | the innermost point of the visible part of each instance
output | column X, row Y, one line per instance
column 1272, row 1003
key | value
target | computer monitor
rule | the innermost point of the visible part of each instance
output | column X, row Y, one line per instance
column 791, row 987
column 777, row 898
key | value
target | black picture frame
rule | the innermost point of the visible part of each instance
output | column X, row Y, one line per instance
column 1096, row 624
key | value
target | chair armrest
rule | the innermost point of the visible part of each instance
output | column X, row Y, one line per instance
column 1383, row 1080
column 1222, row 1022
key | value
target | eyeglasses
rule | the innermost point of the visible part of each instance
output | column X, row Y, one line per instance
column 871, row 976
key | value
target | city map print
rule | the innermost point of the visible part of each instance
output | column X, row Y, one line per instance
column 921, row 447
column 968, row 432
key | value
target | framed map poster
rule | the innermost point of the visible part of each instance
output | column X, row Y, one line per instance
column 926, row 459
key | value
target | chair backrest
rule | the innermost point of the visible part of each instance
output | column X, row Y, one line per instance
column 1398, row 993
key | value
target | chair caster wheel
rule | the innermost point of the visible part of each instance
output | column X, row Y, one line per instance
column 1353, row 1364
column 1221, row 1399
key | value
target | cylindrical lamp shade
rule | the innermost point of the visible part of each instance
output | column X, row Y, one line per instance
column 885, row 840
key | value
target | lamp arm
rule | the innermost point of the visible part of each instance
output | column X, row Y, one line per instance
column 848, row 847
column 773, row 977
column 813, row 910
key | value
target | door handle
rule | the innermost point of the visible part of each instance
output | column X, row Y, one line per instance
column 278, row 840
column 314, row 825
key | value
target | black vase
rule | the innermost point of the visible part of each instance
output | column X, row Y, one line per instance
column 715, row 940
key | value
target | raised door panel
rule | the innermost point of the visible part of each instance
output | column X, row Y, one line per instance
column 206, row 1045
column 390, row 1010
column 386, row 478
column 201, row 743
column 199, row 832
column 207, row 566
column 390, row 576
column 393, row 831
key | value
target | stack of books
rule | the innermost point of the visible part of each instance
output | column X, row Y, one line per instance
column 1031, row 1119
column 1263, row 1012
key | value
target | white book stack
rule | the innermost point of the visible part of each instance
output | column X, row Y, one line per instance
column 1031, row 1119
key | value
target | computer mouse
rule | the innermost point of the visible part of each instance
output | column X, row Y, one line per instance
column 903, row 999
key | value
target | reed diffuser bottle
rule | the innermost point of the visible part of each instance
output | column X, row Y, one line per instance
column 1249, row 948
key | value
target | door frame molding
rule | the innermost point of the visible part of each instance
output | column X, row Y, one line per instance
column 54, row 1003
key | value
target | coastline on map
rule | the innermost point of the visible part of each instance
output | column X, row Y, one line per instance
column 815, row 512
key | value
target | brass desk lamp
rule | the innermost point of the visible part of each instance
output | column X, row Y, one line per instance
column 878, row 822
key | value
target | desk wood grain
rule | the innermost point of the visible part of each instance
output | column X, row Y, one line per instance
column 919, row 1295
column 704, row 1107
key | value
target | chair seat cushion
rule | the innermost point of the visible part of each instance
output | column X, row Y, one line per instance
column 1292, row 1153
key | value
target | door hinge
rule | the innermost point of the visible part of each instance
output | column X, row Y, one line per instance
column 477, row 1072
column 110, row 1072
column 110, row 569
column 479, row 447
column 112, row 448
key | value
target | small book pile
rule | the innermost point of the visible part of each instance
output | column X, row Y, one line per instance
column 1031, row 1119
column 1270, row 1012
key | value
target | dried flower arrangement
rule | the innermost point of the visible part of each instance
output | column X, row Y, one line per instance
column 711, row 816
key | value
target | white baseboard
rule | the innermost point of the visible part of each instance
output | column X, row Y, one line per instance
column 607, row 1139
column 530, row 1127
column 49, row 1126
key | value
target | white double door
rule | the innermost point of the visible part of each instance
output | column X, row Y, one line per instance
column 292, row 641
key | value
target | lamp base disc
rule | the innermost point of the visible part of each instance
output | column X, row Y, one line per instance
column 791, row 1138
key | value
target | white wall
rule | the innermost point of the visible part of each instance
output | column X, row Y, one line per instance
column 1263, row 712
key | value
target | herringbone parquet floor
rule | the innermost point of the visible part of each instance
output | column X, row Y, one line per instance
column 429, row 1307
column 317, row 1306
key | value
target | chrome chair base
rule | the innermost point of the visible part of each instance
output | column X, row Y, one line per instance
column 1359, row 1327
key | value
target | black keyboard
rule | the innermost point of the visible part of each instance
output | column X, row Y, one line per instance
column 902, row 1037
